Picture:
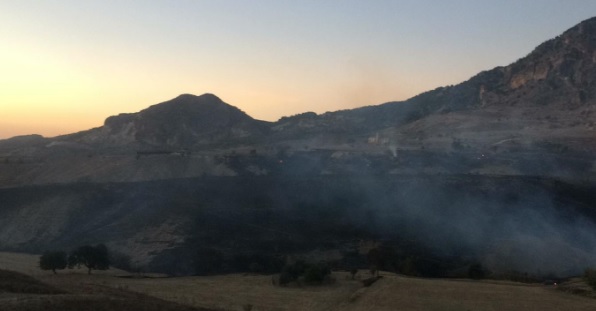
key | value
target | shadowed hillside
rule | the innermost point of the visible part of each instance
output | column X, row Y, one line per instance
column 175, row 226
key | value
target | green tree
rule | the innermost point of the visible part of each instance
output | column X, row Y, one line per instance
column 92, row 257
column 53, row 261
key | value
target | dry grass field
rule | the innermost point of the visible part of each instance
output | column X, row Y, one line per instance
column 401, row 293
column 392, row 292
column 31, row 289
column 24, row 263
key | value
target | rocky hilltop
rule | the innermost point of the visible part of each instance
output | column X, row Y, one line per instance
column 183, row 122
column 494, row 169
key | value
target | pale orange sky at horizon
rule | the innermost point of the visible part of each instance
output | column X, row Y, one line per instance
column 68, row 65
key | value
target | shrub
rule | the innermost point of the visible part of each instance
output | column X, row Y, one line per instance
column 408, row 267
column 121, row 261
column 476, row 272
column 285, row 277
column 590, row 277
column 316, row 273
column 208, row 261
column 310, row 273
column 353, row 272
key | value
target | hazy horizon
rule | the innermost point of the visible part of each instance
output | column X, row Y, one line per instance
column 68, row 65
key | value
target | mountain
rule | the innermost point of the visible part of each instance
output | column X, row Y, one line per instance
column 552, row 87
column 498, row 169
column 174, row 129
column 543, row 104
column 186, row 121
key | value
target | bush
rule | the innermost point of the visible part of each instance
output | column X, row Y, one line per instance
column 590, row 277
column 476, row 272
column 353, row 272
column 310, row 273
column 285, row 277
column 408, row 267
column 121, row 261
column 208, row 261
column 316, row 273
column 255, row 267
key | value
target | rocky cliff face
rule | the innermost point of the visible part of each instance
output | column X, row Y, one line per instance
column 559, row 71
column 558, row 74
column 545, row 98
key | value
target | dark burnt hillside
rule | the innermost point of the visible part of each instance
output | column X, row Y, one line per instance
column 168, row 225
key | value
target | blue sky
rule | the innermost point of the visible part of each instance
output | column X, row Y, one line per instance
column 67, row 65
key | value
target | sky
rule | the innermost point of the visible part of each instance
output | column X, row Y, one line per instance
column 66, row 65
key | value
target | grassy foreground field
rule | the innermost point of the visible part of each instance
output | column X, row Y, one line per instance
column 392, row 292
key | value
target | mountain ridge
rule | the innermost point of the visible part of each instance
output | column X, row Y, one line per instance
column 555, row 71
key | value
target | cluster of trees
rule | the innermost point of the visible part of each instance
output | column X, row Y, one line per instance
column 92, row 257
column 302, row 271
column 476, row 272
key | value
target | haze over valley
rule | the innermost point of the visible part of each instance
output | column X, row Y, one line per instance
column 496, row 172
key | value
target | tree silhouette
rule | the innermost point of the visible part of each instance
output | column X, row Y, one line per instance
column 375, row 261
column 476, row 272
column 92, row 257
column 353, row 272
column 53, row 261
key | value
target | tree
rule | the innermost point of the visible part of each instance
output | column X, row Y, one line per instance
column 208, row 261
column 121, row 261
column 374, row 270
column 92, row 257
column 353, row 272
column 316, row 273
column 476, row 272
column 53, row 261
column 375, row 260
column 590, row 277
column 310, row 273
